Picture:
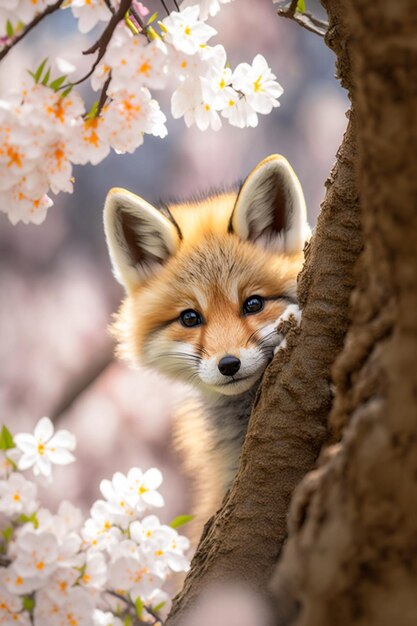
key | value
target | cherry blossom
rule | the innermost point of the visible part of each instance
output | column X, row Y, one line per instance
column 240, row 113
column 258, row 84
column 44, row 448
column 133, row 575
column 131, row 114
column 101, row 618
column 185, row 31
column 17, row 496
column 63, row 571
column 37, row 552
column 133, row 58
column 45, row 128
column 207, row 7
column 98, row 531
column 89, row 13
column 20, row 11
column 94, row 571
column 77, row 609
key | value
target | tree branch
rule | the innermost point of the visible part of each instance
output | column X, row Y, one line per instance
column 306, row 20
column 103, row 95
column 83, row 381
column 50, row 9
column 101, row 44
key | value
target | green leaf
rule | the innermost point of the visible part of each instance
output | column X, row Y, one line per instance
column 40, row 69
column 152, row 18
column 92, row 112
column 6, row 439
column 28, row 603
column 127, row 621
column 139, row 607
column 159, row 606
column 56, row 84
column 67, row 91
column 7, row 533
column 46, row 77
column 24, row 519
column 301, row 6
column 9, row 29
column 181, row 520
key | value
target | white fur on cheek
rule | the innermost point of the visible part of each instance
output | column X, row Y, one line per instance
column 178, row 360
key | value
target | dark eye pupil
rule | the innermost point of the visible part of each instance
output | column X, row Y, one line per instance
column 190, row 318
column 253, row 304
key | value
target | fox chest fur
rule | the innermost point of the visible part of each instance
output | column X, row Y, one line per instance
column 205, row 283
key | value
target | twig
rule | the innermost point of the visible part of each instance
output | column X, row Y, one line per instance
column 50, row 9
column 104, row 40
column 306, row 20
column 165, row 7
column 176, row 5
column 82, row 382
column 103, row 96
column 130, row 605
column 154, row 615
column 140, row 22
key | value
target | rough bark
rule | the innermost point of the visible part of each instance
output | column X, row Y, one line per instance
column 351, row 556
column 288, row 425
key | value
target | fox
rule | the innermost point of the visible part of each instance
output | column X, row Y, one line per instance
column 206, row 281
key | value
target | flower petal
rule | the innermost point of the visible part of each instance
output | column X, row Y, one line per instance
column 44, row 429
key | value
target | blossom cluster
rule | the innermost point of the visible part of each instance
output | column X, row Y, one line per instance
column 57, row 569
column 45, row 127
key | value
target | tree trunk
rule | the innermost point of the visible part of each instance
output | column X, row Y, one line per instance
column 288, row 425
column 351, row 556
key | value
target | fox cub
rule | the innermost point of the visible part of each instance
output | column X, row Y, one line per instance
column 206, row 281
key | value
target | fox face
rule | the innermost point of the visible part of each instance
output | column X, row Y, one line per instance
column 206, row 281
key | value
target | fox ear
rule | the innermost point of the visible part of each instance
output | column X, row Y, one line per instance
column 139, row 237
column 270, row 209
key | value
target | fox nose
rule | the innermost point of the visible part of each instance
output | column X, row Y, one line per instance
column 229, row 365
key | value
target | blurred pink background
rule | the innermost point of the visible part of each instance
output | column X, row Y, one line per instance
column 57, row 289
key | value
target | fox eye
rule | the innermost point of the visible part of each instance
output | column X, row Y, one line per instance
column 190, row 318
column 253, row 304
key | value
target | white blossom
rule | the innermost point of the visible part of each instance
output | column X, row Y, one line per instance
column 240, row 113
column 94, row 570
column 43, row 133
column 89, row 13
column 137, row 490
column 185, row 31
column 258, row 84
column 162, row 545
column 101, row 618
column 17, row 496
column 98, row 531
column 129, row 115
column 37, row 552
column 68, row 569
column 60, row 584
column 44, row 448
column 132, row 58
column 133, row 575
column 76, row 610
column 20, row 11
column 207, row 7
